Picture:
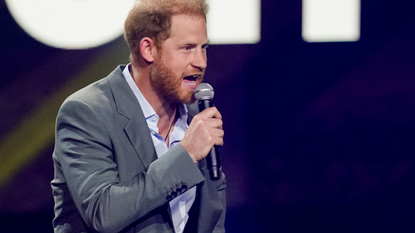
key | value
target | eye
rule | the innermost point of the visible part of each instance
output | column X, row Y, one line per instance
column 188, row 47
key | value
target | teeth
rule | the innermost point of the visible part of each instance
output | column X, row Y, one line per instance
column 192, row 77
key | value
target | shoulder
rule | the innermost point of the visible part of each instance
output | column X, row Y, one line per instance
column 98, row 93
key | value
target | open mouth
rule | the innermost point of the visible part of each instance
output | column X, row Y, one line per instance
column 191, row 81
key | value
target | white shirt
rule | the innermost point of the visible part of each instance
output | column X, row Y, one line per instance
column 179, row 206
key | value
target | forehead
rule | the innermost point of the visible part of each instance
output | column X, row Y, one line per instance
column 188, row 27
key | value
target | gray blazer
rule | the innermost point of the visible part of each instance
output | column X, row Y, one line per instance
column 107, row 175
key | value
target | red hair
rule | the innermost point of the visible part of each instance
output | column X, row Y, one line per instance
column 152, row 18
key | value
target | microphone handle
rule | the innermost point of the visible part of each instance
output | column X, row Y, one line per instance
column 213, row 158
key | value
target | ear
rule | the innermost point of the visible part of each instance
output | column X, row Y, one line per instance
column 148, row 49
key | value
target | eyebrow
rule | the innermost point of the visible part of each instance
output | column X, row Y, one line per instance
column 193, row 44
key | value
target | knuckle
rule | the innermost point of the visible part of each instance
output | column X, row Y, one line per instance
column 200, row 122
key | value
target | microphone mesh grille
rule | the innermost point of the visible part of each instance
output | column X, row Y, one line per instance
column 204, row 91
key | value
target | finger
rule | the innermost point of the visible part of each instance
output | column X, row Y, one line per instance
column 217, row 114
column 209, row 113
column 213, row 123
column 218, row 133
column 218, row 141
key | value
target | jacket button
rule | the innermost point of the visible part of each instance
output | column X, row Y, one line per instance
column 173, row 194
column 169, row 198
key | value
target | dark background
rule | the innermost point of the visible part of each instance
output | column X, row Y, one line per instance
column 319, row 136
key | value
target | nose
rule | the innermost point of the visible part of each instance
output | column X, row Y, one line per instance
column 199, row 59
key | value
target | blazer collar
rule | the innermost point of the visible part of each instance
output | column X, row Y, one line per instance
column 136, row 128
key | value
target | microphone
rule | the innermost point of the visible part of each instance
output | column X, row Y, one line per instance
column 204, row 94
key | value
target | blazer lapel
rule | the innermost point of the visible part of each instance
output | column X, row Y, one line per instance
column 136, row 129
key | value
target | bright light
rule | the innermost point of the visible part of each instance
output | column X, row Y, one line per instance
column 71, row 24
column 234, row 21
column 331, row 20
column 82, row 24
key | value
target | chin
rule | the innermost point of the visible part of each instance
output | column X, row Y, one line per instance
column 185, row 95
column 188, row 98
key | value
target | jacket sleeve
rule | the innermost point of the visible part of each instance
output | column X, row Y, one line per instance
column 84, row 152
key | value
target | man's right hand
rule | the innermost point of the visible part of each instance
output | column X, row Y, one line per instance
column 203, row 133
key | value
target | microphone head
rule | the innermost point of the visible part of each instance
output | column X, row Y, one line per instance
column 204, row 91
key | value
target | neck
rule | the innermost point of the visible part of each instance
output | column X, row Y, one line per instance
column 166, row 110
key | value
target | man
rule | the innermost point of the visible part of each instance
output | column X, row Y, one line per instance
column 125, row 158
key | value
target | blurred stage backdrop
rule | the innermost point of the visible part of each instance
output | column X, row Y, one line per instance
column 319, row 136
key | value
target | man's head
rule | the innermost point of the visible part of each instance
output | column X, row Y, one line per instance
column 173, row 44
column 152, row 18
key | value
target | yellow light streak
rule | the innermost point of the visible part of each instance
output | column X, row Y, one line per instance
column 37, row 131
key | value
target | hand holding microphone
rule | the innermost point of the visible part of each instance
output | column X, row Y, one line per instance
column 205, row 132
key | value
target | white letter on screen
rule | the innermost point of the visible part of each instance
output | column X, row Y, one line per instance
column 71, row 24
column 331, row 20
column 234, row 21
column 81, row 24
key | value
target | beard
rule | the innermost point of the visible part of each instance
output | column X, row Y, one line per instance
column 168, row 85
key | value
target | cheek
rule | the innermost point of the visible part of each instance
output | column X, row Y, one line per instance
column 180, row 66
column 179, row 63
